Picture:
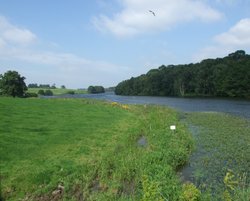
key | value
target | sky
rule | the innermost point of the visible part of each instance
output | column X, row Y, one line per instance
column 79, row 43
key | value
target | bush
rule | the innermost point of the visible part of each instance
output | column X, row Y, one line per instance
column 31, row 95
column 41, row 92
column 96, row 89
column 71, row 92
column 48, row 93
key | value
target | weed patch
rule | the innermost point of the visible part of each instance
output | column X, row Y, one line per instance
column 222, row 156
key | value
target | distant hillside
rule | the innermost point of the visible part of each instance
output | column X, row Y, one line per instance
column 221, row 77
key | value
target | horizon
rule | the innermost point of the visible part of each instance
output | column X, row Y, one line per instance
column 103, row 43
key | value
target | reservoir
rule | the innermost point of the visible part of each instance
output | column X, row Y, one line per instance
column 234, row 107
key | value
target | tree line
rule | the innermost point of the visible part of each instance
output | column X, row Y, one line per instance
column 221, row 77
column 44, row 86
column 12, row 84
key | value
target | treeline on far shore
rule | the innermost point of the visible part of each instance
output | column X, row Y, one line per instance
column 13, row 84
column 221, row 77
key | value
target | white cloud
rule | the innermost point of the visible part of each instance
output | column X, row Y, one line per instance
column 232, row 2
column 64, row 68
column 237, row 37
column 14, row 34
column 43, row 66
column 20, row 36
column 135, row 17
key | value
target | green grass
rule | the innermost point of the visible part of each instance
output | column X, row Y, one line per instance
column 89, row 147
column 58, row 91
column 223, row 145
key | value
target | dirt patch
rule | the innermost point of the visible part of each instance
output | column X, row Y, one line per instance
column 55, row 195
column 97, row 186
column 127, row 188
column 78, row 193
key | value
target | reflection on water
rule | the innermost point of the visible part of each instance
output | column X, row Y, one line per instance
column 234, row 107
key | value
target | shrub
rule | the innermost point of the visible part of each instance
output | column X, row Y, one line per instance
column 71, row 92
column 96, row 89
column 41, row 92
column 31, row 95
column 48, row 93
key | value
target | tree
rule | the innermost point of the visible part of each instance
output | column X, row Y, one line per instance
column 41, row 92
column 71, row 92
column 91, row 90
column 45, row 86
column 32, row 85
column 48, row 92
column 96, row 89
column 12, row 84
column 227, row 77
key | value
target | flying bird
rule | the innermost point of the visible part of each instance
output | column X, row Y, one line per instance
column 152, row 12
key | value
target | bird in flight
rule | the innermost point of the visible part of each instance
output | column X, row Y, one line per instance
column 152, row 12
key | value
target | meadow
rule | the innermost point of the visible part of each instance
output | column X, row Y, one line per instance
column 83, row 149
column 58, row 91
column 68, row 149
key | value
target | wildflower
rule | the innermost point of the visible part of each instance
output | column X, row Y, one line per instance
column 114, row 103
column 125, row 107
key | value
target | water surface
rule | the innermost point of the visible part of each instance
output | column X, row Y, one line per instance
column 231, row 106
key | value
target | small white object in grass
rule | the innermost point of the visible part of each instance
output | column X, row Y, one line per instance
column 173, row 127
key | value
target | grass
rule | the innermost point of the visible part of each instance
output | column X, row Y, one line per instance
column 223, row 147
column 91, row 149
column 58, row 91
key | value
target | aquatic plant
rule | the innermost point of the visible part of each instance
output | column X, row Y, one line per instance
column 150, row 190
column 222, row 144
column 190, row 193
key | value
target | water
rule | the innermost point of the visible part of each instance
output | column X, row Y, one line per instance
column 235, row 107
column 239, row 108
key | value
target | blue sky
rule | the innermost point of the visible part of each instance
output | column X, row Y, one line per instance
column 102, row 42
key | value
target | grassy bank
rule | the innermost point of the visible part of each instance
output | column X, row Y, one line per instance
column 89, row 150
column 223, row 148
column 58, row 91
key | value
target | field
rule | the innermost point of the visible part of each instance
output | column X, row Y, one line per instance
column 82, row 149
column 67, row 149
column 58, row 91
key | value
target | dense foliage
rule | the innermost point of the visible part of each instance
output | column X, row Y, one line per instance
column 45, row 86
column 31, row 95
column 46, row 92
column 225, row 77
column 12, row 84
column 96, row 89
